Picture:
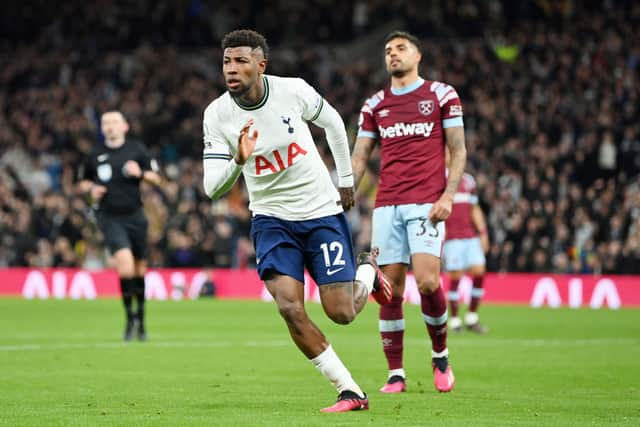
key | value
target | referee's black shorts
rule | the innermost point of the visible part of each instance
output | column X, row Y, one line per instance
column 125, row 231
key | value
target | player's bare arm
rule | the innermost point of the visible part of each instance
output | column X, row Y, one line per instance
column 246, row 143
column 361, row 153
column 455, row 142
column 481, row 225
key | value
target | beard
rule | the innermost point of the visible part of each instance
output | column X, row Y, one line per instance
column 398, row 71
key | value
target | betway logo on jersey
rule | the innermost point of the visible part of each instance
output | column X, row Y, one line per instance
column 406, row 129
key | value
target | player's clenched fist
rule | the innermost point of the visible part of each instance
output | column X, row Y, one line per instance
column 246, row 143
column 441, row 209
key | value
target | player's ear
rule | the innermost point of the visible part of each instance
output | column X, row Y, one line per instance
column 262, row 66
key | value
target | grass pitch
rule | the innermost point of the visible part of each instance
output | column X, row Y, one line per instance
column 231, row 363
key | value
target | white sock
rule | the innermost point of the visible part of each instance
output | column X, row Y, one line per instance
column 366, row 274
column 330, row 365
column 470, row 318
column 455, row 322
column 443, row 353
column 399, row 372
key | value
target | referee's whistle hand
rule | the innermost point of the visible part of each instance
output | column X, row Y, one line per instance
column 132, row 169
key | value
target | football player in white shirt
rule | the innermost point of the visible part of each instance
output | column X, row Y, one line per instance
column 259, row 128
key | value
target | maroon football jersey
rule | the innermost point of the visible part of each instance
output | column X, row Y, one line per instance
column 409, row 126
column 459, row 224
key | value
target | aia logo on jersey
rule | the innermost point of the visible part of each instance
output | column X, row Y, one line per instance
column 426, row 107
column 263, row 163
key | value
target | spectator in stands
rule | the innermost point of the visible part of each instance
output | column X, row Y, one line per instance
column 208, row 288
column 553, row 109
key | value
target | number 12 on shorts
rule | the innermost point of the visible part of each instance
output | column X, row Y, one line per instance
column 333, row 248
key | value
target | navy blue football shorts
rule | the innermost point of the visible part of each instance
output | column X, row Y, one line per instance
column 322, row 245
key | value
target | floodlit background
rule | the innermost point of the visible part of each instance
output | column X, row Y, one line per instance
column 549, row 89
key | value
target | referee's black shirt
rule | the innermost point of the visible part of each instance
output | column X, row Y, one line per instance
column 104, row 166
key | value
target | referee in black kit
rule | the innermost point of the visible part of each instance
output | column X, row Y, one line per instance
column 111, row 177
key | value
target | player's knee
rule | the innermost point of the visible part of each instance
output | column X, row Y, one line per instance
column 477, row 270
column 292, row 312
column 124, row 263
column 455, row 274
column 342, row 316
column 428, row 284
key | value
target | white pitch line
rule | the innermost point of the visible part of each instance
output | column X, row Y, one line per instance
column 480, row 341
column 158, row 344
column 535, row 342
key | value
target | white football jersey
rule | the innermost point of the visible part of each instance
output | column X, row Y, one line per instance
column 285, row 176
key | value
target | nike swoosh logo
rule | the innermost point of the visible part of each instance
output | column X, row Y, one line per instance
column 332, row 272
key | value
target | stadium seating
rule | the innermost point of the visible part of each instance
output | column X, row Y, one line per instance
column 550, row 118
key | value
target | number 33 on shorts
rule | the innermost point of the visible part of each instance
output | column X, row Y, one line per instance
column 425, row 237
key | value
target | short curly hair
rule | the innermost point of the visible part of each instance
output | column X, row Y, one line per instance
column 250, row 38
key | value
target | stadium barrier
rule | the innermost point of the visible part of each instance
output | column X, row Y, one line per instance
column 537, row 290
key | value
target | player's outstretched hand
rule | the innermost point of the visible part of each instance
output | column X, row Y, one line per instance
column 246, row 143
column 441, row 209
column 346, row 197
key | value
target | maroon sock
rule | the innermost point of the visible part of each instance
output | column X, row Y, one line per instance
column 476, row 293
column 453, row 297
column 392, row 332
column 434, row 312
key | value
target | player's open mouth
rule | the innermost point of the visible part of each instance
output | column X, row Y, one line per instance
column 232, row 84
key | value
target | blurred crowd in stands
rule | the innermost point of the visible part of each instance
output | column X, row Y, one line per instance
column 550, row 90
